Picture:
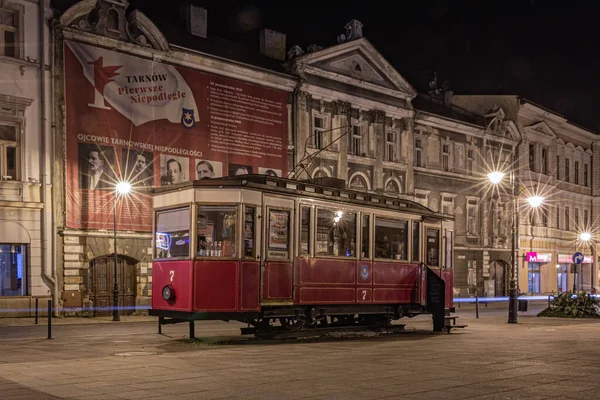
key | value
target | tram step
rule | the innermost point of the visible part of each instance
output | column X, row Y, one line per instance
column 450, row 327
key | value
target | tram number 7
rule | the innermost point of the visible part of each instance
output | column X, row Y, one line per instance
column 364, row 294
column 172, row 273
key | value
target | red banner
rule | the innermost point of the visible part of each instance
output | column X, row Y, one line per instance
column 152, row 124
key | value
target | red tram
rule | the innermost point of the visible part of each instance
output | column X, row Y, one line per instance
column 268, row 251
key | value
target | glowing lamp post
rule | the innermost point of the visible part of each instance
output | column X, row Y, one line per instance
column 586, row 238
column 122, row 188
column 495, row 177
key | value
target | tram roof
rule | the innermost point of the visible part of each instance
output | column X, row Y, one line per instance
column 307, row 188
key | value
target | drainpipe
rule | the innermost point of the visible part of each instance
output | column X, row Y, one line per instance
column 295, row 123
column 48, row 276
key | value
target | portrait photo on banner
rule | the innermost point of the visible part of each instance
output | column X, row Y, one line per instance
column 239, row 169
column 206, row 169
column 269, row 172
column 96, row 165
column 139, row 167
column 174, row 169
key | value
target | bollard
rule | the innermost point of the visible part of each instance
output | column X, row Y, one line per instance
column 160, row 320
column 548, row 301
column 192, row 330
column 37, row 308
column 49, row 319
column 476, row 306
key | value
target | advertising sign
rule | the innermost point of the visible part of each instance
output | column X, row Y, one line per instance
column 154, row 124
column 568, row 259
column 533, row 256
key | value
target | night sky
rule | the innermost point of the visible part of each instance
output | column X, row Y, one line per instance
column 545, row 51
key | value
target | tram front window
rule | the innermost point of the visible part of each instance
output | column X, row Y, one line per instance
column 336, row 233
column 172, row 233
column 391, row 239
column 216, row 231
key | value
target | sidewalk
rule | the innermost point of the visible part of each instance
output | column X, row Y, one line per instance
column 30, row 321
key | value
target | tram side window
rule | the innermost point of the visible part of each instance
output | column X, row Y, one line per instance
column 172, row 233
column 391, row 239
column 249, row 232
column 336, row 233
column 366, row 235
column 416, row 244
column 279, row 234
column 216, row 231
column 304, row 230
column 433, row 247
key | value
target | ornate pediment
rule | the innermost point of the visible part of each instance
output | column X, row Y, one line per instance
column 543, row 128
column 111, row 18
column 356, row 63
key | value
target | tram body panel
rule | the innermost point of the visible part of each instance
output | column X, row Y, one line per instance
column 249, row 286
column 326, row 295
column 277, row 281
column 216, row 286
column 394, row 282
column 177, row 275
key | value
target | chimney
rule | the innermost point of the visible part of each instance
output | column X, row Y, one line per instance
column 294, row 52
column 354, row 30
column 272, row 44
column 196, row 20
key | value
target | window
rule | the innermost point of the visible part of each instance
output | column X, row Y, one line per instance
column 577, row 218
column 355, row 146
column 216, row 231
column 336, row 233
column 172, row 233
column 534, row 277
column 577, row 172
column 432, row 247
column 557, row 167
column 418, row 153
column 532, row 157
column 391, row 239
column 8, row 33
column 366, row 236
column 390, row 146
column 9, row 143
column 318, row 132
column 567, row 171
column 557, row 217
column 278, row 245
column 305, row 230
column 585, row 220
column 585, row 175
column 543, row 216
column 567, row 219
column 472, row 216
column 249, row 232
column 544, row 161
column 416, row 243
column 13, row 270
column 470, row 161
column 446, row 157
column 447, row 204
column 562, row 278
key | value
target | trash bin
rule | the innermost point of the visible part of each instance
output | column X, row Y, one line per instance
column 523, row 305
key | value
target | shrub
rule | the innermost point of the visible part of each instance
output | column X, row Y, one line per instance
column 567, row 305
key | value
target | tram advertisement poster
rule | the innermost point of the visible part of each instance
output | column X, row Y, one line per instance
column 278, row 230
column 153, row 124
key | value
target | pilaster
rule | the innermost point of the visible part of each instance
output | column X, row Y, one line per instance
column 378, row 121
column 342, row 129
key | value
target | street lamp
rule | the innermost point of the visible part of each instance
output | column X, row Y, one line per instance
column 586, row 237
column 495, row 177
column 122, row 188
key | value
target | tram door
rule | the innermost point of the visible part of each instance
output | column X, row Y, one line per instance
column 277, row 250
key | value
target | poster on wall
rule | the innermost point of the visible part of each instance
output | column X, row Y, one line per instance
column 154, row 124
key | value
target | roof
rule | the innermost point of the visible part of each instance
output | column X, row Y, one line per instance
column 433, row 105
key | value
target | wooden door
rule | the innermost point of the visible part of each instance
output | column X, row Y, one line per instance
column 102, row 285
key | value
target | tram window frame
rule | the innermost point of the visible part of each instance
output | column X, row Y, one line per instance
column 416, row 244
column 406, row 239
column 301, row 251
column 167, row 210
column 234, row 245
column 438, row 247
column 245, row 222
column 353, row 224
column 368, row 242
column 278, row 253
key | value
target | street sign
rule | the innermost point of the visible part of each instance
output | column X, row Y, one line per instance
column 578, row 258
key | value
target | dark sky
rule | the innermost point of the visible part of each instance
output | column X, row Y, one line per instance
column 546, row 51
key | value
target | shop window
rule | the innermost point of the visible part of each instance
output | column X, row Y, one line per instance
column 216, row 231
column 534, row 277
column 304, row 230
column 278, row 245
column 172, row 233
column 391, row 239
column 366, row 236
column 416, row 243
column 249, row 232
column 432, row 247
column 336, row 233
column 13, row 270
column 562, row 274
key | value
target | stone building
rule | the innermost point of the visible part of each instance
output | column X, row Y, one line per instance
column 27, row 270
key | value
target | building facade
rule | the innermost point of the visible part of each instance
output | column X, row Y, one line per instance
column 27, row 270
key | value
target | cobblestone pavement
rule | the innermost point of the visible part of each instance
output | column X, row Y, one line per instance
column 490, row 359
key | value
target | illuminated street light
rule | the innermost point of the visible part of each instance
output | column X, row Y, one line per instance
column 122, row 188
column 495, row 177
column 535, row 201
column 585, row 236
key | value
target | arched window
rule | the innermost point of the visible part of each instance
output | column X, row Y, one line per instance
column 392, row 187
column 112, row 20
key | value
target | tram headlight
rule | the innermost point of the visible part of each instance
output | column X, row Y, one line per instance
column 168, row 293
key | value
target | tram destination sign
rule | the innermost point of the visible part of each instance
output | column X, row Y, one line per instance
column 155, row 124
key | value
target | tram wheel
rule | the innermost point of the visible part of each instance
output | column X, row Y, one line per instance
column 292, row 323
